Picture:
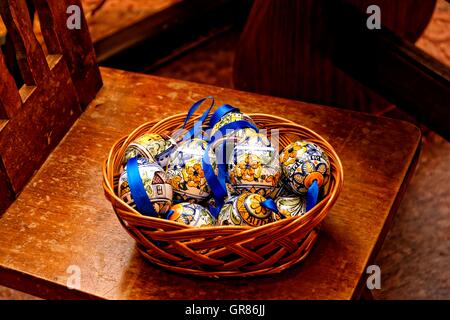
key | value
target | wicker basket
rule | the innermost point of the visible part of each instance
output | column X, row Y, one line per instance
column 224, row 251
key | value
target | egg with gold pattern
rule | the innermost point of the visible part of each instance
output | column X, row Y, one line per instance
column 230, row 118
column 303, row 163
column 152, row 146
column 155, row 183
column 254, row 166
column 191, row 214
column 185, row 171
column 290, row 206
column 245, row 210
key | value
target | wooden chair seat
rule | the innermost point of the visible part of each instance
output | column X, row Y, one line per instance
column 62, row 219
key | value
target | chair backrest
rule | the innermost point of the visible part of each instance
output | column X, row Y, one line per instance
column 57, row 86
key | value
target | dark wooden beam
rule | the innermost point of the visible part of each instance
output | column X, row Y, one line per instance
column 393, row 67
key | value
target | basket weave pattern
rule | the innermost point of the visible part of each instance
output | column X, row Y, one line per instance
column 224, row 251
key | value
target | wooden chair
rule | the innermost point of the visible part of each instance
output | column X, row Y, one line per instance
column 61, row 225
column 57, row 88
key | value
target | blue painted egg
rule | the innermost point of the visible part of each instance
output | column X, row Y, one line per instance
column 156, row 185
column 185, row 171
column 154, row 147
column 230, row 118
column 303, row 162
column 254, row 166
column 191, row 214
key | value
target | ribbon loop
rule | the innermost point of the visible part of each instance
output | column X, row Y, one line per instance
column 194, row 131
column 194, row 108
column 220, row 112
column 169, row 213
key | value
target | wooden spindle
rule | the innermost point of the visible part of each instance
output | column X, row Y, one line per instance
column 47, row 25
column 30, row 56
column 10, row 100
column 81, row 62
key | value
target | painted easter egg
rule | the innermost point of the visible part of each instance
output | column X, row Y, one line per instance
column 152, row 146
column 185, row 171
column 155, row 183
column 191, row 214
column 245, row 210
column 290, row 206
column 282, row 189
column 302, row 163
column 254, row 166
column 230, row 118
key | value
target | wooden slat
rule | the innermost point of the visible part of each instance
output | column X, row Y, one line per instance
column 48, row 113
column 9, row 95
column 81, row 61
column 47, row 26
column 30, row 56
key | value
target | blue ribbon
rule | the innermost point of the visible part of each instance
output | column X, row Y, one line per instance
column 270, row 204
column 219, row 191
column 218, row 183
column 194, row 108
column 169, row 213
column 193, row 132
column 140, row 197
column 220, row 112
column 312, row 195
column 223, row 176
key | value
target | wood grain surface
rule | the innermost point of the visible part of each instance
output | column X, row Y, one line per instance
column 62, row 218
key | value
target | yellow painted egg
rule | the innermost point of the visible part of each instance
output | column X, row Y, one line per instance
column 245, row 210
column 191, row 214
column 254, row 166
column 185, row 171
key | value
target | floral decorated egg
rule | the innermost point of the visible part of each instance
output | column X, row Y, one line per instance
column 303, row 162
column 191, row 214
column 233, row 117
column 290, row 206
column 155, row 183
column 245, row 210
column 282, row 189
column 152, row 146
column 254, row 166
column 185, row 171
